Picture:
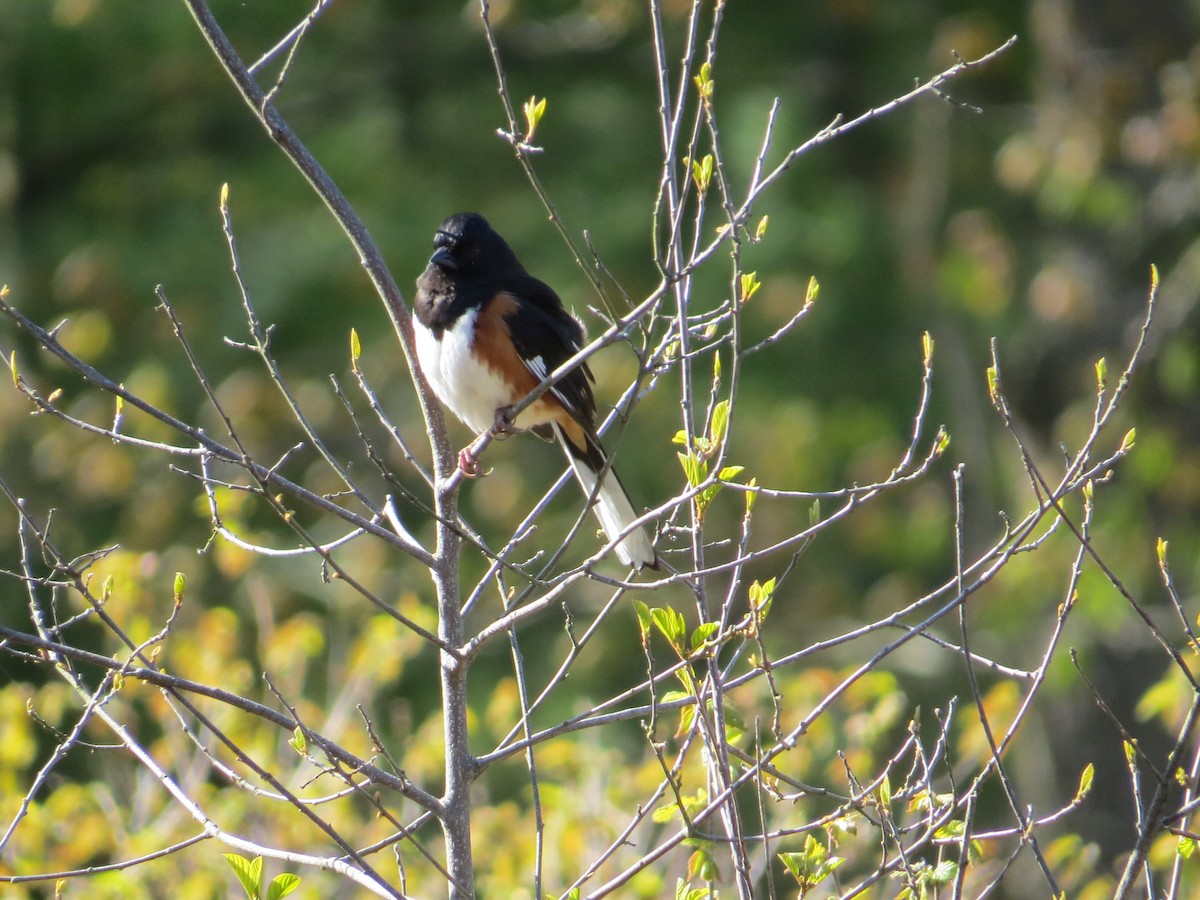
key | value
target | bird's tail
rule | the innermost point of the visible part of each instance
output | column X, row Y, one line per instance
column 613, row 507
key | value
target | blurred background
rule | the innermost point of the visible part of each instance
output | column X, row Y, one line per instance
column 1034, row 220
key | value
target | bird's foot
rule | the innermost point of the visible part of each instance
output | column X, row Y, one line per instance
column 503, row 425
column 468, row 463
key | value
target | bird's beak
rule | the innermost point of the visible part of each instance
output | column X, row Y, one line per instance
column 443, row 259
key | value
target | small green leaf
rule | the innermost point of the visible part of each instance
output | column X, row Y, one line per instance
column 810, row 294
column 750, row 285
column 1161, row 549
column 1101, row 373
column 761, row 231
column 814, row 513
column 885, row 791
column 751, row 495
column 1153, row 277
column 927, row 347
column 12, row 365
column 665, row 813
column 694, row 468
column 355, row 349
column 810, row 866
column 298, row 741
column 1186, row 847
column 248, row 872
column 704, row 82
column 282, row 885
column 944, row 872
column 224, row 198
column 644, row 620
column 1128, row 441
column 534, row 110
column 1085, row 782
column 942, row 442
column 1130, row 751
column 1089, row 490
column 180, row 586
column 720, row 423
column 762, row 595
column 993, row 383
column 671, row 624
column 702, row 171
column 702, row 633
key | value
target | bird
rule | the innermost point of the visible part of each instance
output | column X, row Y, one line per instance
column 487, row 334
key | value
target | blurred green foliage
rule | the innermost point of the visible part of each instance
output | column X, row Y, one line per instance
column 1035, row 221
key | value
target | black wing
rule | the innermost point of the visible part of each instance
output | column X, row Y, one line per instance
column 542, row 330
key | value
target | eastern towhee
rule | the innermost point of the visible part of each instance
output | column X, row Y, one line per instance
column 488, row 333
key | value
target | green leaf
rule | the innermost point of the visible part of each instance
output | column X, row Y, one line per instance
column 1186, row 847
column 945, row 872
column 671, row 624
column 248, row 872
column 942, row 442
column 1101, row 373
column 720, row 422
column 751, row 495
column 814, row 513
column 761, row 231
column 885, row 791
column 282, row 885
column 665, row 813
column 1161, row 549
column 927, row 347
column 644, row 620
column 1153, row 277
column 993, row 383
column 810, row 295
column 701, row 866
column 12, row 365
column 1085, row 782
column 704, row 82
column 180, row 586
column 702, row 171
column 355, row 349
column 534, row 110
column 1128, row 441
column 812, row 865
column 762, row 594
column 749, row 285
column 298, row 741
column 702, row 633
column 694, row 468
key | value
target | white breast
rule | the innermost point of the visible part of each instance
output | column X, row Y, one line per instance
column 471, row 390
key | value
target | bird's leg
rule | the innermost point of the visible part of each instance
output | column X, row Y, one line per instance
column 502, row 425
column 468, row 463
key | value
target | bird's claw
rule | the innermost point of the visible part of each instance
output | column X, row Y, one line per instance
column 468, row 463
column 502, row 424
